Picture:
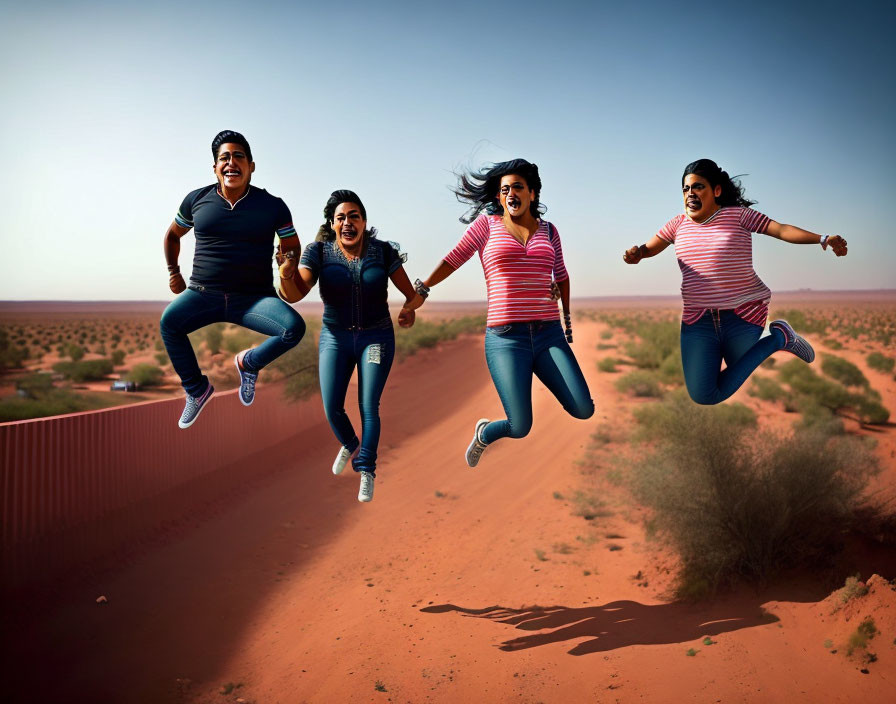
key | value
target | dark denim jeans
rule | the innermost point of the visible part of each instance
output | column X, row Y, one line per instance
column 196, row 308
column 718, row 335
column 372, row 351
column 517, row 351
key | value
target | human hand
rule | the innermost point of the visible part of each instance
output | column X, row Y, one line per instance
column 288, row 268
column 414, row 303
column 406, row 318
column 555, row 291
column 633, row 255
column 176, row 282
column 838, row 244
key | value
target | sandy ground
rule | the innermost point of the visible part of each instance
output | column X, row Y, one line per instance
column 453, row 585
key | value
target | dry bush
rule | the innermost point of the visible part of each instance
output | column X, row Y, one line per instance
column 737, row 504
column 880, row 362
column 766, row 389
column 843, row 371
column 640, row 383
column 145, row 375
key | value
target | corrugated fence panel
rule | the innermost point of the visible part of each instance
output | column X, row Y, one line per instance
column 62, row 476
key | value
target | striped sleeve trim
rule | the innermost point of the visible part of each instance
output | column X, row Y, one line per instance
column 286, row 231
column 754, row 221
column 182, row 221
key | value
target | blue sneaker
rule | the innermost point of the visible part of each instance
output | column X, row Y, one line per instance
column 194, row 408
column 247, row 380
column 793, row 343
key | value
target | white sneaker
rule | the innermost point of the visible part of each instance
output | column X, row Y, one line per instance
column 477, row 446
column 365, row 493
column 342, row 459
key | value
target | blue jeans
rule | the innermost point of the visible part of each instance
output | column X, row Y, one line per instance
column 196, row 307
column 513, row 353
column 372, row 351
column 718, row 335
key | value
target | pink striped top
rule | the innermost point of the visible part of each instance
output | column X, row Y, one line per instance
column 716, row 261
column 518, row 277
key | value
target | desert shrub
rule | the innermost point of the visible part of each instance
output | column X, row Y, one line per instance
column 162, row 358
column 833, row 395
column 859, row 638
column 815, row 416
column 118, row 357
column 832, row 343
column 11, row 355
column 145, row 375
column 425, row 334
column 75, row 352
column 766, row 389
column 91, row 370
column 35, row 385
column 804, row 322
column 299, row 367
column 671, row 371
column 740, row 505
column 640, row 383
column 214, row 335
column 606, row 334
column 53, row 403
column 843, row 371
column 607, row 364
column 239, row 339
column 880, row 362
column 853, row 588
column 769, row 362
column 657, row 340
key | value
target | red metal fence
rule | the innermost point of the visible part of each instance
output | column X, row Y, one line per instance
column 78, row 486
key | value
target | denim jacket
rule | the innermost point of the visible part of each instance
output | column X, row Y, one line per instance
column 354, row 291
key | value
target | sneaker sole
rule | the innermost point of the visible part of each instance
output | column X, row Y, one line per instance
column 472, row 445
column 239, row 371
column 183, row 426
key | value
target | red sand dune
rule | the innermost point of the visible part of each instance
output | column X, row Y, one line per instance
column 434, row 592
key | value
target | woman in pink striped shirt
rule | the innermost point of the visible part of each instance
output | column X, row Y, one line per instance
column 521, row 256
column 725, row 302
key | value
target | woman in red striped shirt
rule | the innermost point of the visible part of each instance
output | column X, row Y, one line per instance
column 520, row 255
column 725, row 302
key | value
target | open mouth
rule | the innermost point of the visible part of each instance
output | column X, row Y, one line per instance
column 232, row 173
column 513, row 203
column 694, row 204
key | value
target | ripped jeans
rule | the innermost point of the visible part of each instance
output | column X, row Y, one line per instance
column 197, row 307
column 372, row 351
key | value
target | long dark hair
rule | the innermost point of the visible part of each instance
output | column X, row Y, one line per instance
column 479, row 189
column 325, row 232
column 732, row 190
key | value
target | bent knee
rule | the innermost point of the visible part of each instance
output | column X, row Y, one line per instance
column 293, row 334
column 703, row 398
column 582, row 411
column 519, row 430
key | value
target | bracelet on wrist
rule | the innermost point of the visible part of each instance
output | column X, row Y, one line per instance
column 173, row 269
column 422, row 291
column 824, row 242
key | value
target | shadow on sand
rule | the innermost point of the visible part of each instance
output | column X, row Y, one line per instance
column 617, row 624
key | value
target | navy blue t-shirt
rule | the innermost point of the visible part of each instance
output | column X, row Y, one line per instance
column 354, row 291
column 235, row 244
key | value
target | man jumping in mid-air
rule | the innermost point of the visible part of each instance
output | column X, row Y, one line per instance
column 232, row 276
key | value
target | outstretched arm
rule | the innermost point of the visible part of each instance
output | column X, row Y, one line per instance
column 442, row 272
column 651, row 248
column 172, row 252
column 796, row 235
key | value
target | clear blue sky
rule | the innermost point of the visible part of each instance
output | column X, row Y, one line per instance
column 109, row 111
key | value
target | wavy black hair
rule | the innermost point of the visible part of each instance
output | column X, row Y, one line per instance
column 230, row 137
column 325, row 232
column 479, row 189
column 732, row 190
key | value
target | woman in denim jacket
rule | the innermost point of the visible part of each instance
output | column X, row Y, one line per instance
column 353, row 269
